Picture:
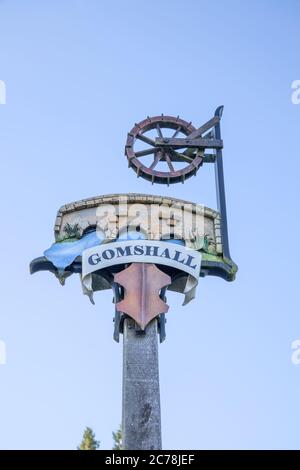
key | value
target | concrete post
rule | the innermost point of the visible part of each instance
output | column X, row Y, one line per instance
column 141, row 421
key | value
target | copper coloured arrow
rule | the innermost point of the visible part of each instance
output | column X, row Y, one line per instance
column 142, row 283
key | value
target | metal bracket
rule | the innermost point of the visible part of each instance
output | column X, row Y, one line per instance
column 120, row 316
column 118, row 321
column 189, row 143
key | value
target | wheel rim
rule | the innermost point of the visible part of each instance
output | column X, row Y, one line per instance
column 159, row 124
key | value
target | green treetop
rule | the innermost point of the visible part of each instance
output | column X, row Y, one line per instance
column 117, row 437
column 89, row 440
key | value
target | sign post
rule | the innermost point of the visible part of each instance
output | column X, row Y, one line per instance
column 142, row 245
column 141, row 420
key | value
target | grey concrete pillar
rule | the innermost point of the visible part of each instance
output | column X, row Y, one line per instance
column 141, row 421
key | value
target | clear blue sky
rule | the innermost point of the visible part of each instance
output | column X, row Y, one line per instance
column 79, row 74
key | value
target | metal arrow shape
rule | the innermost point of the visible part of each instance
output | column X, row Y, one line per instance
column 142, row 283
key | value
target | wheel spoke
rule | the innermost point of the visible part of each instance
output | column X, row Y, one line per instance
column 176, row 132
column 143, row 153
column 181, row 156
column 189, row 152
column 156, row 160
column 159, row 132
column 169, row 161
column 145, row 139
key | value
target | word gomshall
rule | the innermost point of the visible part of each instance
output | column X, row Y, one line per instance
column 139, row 250
column 142, row 251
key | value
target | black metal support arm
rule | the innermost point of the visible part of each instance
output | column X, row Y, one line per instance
column 220, row 186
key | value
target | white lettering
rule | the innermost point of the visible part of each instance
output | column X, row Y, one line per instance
column 2, row 92
column 296, row 94
column 2, row 353
column 296, row 354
